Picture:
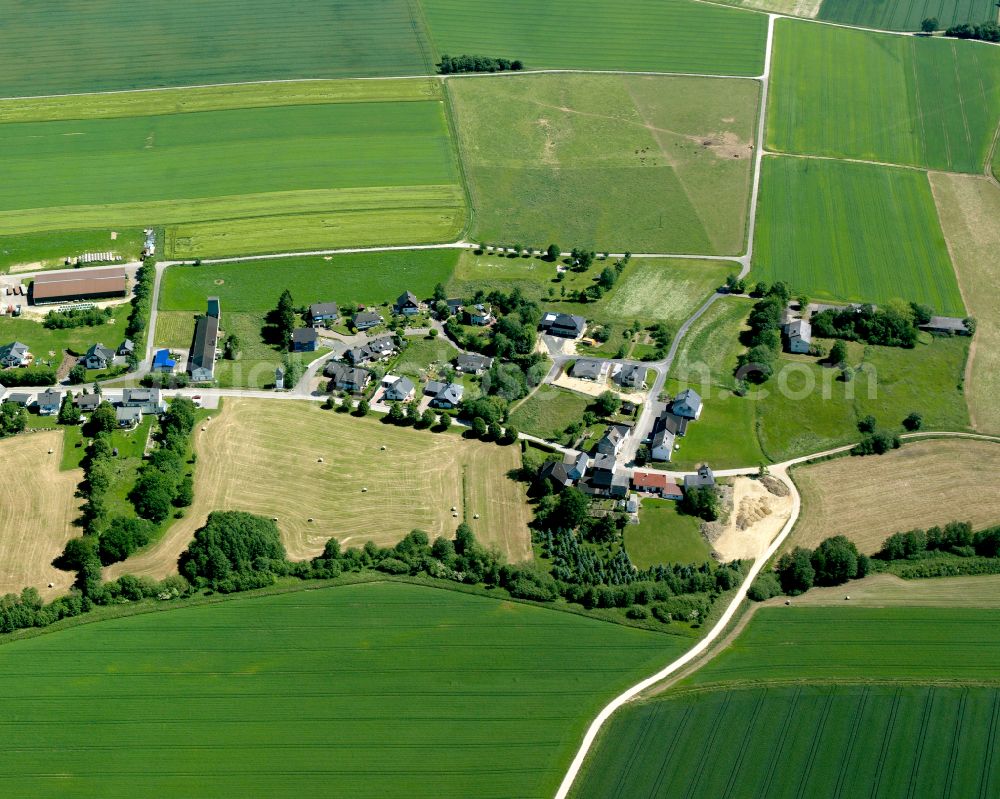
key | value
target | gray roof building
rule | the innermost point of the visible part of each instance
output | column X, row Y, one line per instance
column 473, row 363
column 687, row 404
column 704, row 478
column 363, row 320
column 563, row 325
column 589, row 369
column 945, row 324
column 13, row 354
column 202, row 361
column 87, row 402
column 613, row 439
column 444, row 395
column 98, row 356
column 630, row 375
column 397, row 389
column 128, row 416
column 323, row 312
column 346, row 377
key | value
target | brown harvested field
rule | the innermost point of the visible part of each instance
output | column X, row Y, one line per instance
column 923, row 484
column 888, row 591
column 263, row 457
column 37, row 513
column 969, row 208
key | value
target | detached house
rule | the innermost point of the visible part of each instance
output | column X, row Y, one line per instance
column 397, row 389
column 799, row 335
column 703, row 478
column 589, row 369
column 98, row 357
column 366, row 320
column 49, row 402
column 128, row 416
column 481, row 315
column 322, row 313
column 667, row 427
column 613, row 440
column 14, row 354
column 472, row 363
column 147, row 400
column 87, row 403
column 563, row 325
column 304, row 339
column 630, row 375
column 378, row 349
column 687, row 404
column 444, row 395
column 347, row 378
column 571, row 469
column 407, row 303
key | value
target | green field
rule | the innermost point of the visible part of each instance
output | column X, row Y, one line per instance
column 904, row 100
column 663, row 535
column 53, row 48
column 608, row 162
column 548, row 412
column 855, row 232
column 820, row 701
column 238, row 180
column 34, row 251
column 724, row 437
column 360, row 691
column 253, row 286
column 707, row 354
column 908, row 14
column 657, row 35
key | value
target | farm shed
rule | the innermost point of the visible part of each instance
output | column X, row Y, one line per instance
column 82, row 284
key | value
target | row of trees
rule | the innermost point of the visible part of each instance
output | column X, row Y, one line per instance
column 477, row 63
column 77, row 317
column 956, row 538
column 986, row 31
column 138, row 318
column 756, row 365
column 164, row 482
column 29, row 376
column 895, row 325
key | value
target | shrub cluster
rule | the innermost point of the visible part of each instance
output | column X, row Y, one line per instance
column 13, row 419
column 29, row 376
column 477, row 63
column 888, row 327
column 77, row 317
column 511, row 338
column 756, row 365
column 986, row 31
column 835, row 561
column 163, row 482
column 956, row 538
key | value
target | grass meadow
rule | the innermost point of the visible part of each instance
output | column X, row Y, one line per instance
column 908, row 14
column 608, row 162
column 371, row 278
column 905, row 100
column 349, row 691
column 47, row 345
column 306, row 175
column 853, row 232
column 664, row 535
column 33, row 251
column 601, row 34
column 548, row 412
column 51, row 48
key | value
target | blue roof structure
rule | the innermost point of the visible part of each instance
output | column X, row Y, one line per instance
column 162, row 360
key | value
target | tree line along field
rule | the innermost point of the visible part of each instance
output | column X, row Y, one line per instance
column 52, row 48
column 905, row 100
column 846, row 496
column 307, row 467
column 906, row 15
column 820, row 701
column 609, row 162
column 843, row 231
column 307, row 175
column 648, row 35
column 348, row 691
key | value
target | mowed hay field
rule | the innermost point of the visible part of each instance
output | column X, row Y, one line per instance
column 37, row 513
column 826, row 702
column 360, row 691
column 923, row 484
column 853, row 232
column 53, row 48
column 969, row 208
column 904, row 100
column 609, row 162
column 235, row 180
column 263, row 457
column 906, row 15
column 645, row 35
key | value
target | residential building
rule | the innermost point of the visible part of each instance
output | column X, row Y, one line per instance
column 19, row 398
column 126, row 348
column 455, row 306
column 80, row 284
column 347, row 378
column 305, row 339
column 128, row 416
column 87, row 402
column 322, row 313
column 661, row 445
column 657, row 483
column 606, row 479
column 555, row 472
column 594, row 369
column 576, row 465
column 397, row 389
column 14, row 354
column 49, row 402
column 703, row 478
column 378, row 349
column 613, row 440
column 407, row 303
column 98, row 357
column 563, row 325
column 444, row 395
column 481, row 315
column 365, row 320
column 630, row 375
column 201, row 364
column 687, row 404
column 472, row 363
column 147, row 400
column 799, row 335
column 162, row 362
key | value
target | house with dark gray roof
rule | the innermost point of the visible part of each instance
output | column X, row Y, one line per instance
column 147, row 400
column 455, row 306
column 555, row 472
column 49, row 402
column 365, row 320
column 595, row 369
column 201, row 363
column 576, row 464
column 305, row 339
column 347, row 378
column 799, row 335
column 322, row 313
column 407, row 303
column 19, row 398
column 662, row 444
column 126, row 348
column 687, row 404
column 444, row 395
column 472, row 363
column 98, row 357
column 378, row 349
column 128, row 416
column 14, row 354
column 606, row 479
column 703, row 478
column 613, row 440
column 397, row 389
column 87, row 402
column 563, row 325
column 629, row 375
